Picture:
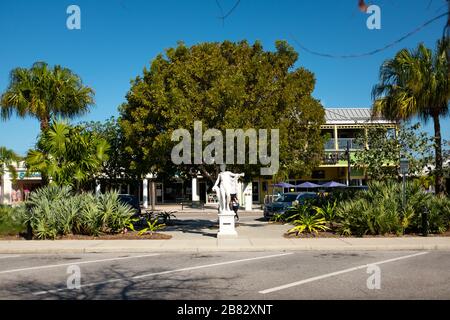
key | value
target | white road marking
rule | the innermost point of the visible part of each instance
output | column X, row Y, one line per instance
column 76, row 262
column 166, row 272
column 332, row 274
column 13, row 256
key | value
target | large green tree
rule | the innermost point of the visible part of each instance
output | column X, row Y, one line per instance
column 44, row 92
column 68, row 155
column 117, row 167
column 225, row 86
column 416, row 83
column 385, row 147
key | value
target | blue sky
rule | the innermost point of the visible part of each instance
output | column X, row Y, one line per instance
column 118, row 38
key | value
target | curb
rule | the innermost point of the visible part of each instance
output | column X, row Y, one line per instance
column 224, row 247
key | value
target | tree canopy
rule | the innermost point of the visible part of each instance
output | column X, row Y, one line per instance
column 8, row 160
column 117, row 167
column 416, row 83
column 381, row 159
column 68, row 155
column 44, row 92
column 225, row 86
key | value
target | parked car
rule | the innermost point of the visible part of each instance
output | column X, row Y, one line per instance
column 286, row 200
column 133, row 201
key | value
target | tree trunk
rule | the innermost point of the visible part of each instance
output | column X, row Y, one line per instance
column 439, row 183
column 45, row 123
column 206, row 174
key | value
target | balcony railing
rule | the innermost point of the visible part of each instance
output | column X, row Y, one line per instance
column 329, row 145
column 342, row 144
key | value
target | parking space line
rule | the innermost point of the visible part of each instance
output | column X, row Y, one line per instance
column 76, row 263
column 167, row 272
column 11, row 256
column 332, row 274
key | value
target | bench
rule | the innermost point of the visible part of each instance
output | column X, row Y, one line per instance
column 192, row 204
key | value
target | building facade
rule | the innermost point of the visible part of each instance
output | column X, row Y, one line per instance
column 14, row 191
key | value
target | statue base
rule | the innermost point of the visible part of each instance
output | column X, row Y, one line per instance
column 226, row 225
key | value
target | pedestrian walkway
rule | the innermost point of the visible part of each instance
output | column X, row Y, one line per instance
column 196, row 232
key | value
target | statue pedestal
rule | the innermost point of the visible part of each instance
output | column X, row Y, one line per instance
column 226, row 225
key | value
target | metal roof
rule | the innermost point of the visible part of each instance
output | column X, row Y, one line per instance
column 351, row 115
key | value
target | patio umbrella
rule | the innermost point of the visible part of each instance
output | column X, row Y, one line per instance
column 283, row 185
column 307, row 185
column 333, row 184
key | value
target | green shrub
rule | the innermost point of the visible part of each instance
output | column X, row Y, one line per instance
column 305, row 219
column 54, row 211
column 380, row 210
column 328, row 211
column 11, row 220
column 166, row 216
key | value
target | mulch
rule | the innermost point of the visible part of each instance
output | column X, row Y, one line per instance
column 328, row 234
column 119, row 236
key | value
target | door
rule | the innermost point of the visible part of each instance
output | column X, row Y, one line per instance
column 255, row 191
column 202, row 191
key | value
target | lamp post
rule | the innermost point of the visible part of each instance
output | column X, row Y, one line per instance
column 404, row 168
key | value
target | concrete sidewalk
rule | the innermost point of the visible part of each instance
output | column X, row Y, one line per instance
column 195, row 232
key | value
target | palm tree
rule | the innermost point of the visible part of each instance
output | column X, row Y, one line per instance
column 416, row 83
column 7, row 160
column 68, row 155
column 43, row 92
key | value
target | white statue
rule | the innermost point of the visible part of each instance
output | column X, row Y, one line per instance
column 228, row 186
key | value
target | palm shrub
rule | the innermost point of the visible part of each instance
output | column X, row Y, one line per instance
column 297, row 210
column 327, row 211
column 380, row 210
column 309, row 223
column 438, row 214
column 152, row 226
column 11, row 220
column 53, row 211
column 166, row 216
column 305, row 219
column 115, row 215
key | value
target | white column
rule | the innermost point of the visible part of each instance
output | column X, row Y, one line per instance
column 145, row 193
column 336, row 140
column 153, row 194
column 248, row 197
column 98, row 188
column 6, row 189
column 195, row 195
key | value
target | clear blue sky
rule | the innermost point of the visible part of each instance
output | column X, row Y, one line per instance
column 120, row 37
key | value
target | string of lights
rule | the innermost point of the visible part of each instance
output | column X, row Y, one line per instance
column 224, row 16
column 373, row 52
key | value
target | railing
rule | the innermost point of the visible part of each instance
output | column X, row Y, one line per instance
column 329, row 145
column 342, row 144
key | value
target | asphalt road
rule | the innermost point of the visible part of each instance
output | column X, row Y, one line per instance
column 229, row 275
